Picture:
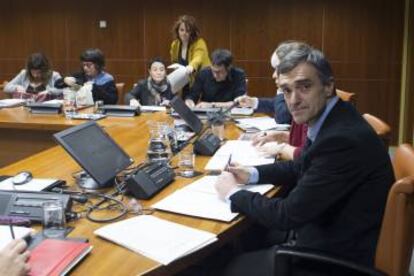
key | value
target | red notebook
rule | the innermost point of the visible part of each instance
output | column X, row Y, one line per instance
column 56, row 257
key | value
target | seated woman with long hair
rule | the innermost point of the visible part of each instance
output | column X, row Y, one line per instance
column 36, row 81
column 155, row 90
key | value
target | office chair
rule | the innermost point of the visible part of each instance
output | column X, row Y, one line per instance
column 4, row 95
column 120, row 89
column 395, row 243
column 347, row 96
column 381, row 128
column 403, row 161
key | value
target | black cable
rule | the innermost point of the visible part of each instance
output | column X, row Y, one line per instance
column 117, row 202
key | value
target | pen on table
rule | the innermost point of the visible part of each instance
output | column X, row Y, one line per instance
column 11, row 230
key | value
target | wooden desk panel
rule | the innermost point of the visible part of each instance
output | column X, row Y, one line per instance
column 132, row 135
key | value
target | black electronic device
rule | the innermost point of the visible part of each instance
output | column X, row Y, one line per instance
column 28, row 204
column 207, row 144
column 96, row 152
column 187, row 114
column 45, row 108
column 149, row 180
column 121, row 110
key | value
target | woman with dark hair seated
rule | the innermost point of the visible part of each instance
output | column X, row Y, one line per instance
column 92, row 71
column 155, row 90
column 36, row 82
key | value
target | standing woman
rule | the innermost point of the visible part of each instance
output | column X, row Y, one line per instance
column 188, row 48
column 36, row 82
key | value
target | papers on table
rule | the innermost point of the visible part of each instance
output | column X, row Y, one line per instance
column 260, row 123
column 11, row 102
column 241, row 152
column 155, row 238
column 245, row 111
column 19, row 232
column 54, row 101
column 34, row 185
column 200, row 199
column 152, row 108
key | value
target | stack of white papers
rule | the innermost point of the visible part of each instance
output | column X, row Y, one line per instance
column 34, row 185
column 200, row 199
column 245, row 111
column 152, row 108
column 261, row 123
column 155, row 238
column 241, row 152
column 11, row 102
column 19, row 232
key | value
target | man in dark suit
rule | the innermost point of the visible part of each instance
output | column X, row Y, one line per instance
column 339, row 185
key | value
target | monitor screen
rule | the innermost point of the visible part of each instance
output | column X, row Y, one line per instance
column 186, row 114
column 95, row 151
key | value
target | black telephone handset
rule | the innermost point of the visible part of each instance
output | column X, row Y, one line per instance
column 149, row 180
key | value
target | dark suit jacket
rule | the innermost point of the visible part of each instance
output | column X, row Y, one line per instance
column 339, row 189
column 276, row 106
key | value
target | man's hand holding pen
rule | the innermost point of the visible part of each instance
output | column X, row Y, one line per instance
column 230, row 179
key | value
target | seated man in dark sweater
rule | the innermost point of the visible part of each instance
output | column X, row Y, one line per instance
column 218, row 85
column 92, row 70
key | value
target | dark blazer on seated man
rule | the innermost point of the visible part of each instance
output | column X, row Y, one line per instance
column 338, row 186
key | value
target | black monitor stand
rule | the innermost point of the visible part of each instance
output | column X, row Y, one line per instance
column 86, row 182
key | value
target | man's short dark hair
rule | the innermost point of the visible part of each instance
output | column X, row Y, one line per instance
column 222, row 57
column 311, row 56
column 95, row 56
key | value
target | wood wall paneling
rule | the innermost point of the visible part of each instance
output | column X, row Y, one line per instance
column 362, row 39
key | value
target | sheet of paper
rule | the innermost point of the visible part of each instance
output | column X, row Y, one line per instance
column 249, row 156
column 19, row 232
column 178, row 78
column 35, row 185
column 200, row 199
column 245, row 111
column 155, row 238
column 11, row 102
column 152, row 108
column 262, row 123
column 54, row 101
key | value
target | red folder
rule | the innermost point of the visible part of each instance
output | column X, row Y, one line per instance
column 56, row 257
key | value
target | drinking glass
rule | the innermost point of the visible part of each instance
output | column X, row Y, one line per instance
column 186, row 161
column 53, row 219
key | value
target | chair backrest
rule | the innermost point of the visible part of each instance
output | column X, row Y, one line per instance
column 403, row 161
column 120, row 89
column 381, row 128
column 347, row 96
column 4, row 95
column 395, row 244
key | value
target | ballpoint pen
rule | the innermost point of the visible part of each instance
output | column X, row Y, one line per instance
column 11, row 230
column 228, row 163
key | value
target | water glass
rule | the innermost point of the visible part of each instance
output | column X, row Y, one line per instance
column 98, row 106
column 69, row 100
column 53, row 219
column 217, row 129
column 186, row 161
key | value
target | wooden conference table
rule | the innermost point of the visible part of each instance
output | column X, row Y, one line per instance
column 28, row 137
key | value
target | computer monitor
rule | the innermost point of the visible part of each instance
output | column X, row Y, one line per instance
column 96, row 152
column 187, row 114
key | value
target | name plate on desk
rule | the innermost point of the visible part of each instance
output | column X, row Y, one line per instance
column 45, row 108
column 121, row 110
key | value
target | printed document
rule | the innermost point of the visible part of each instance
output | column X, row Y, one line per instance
column 200, row 199
column 155, row 238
